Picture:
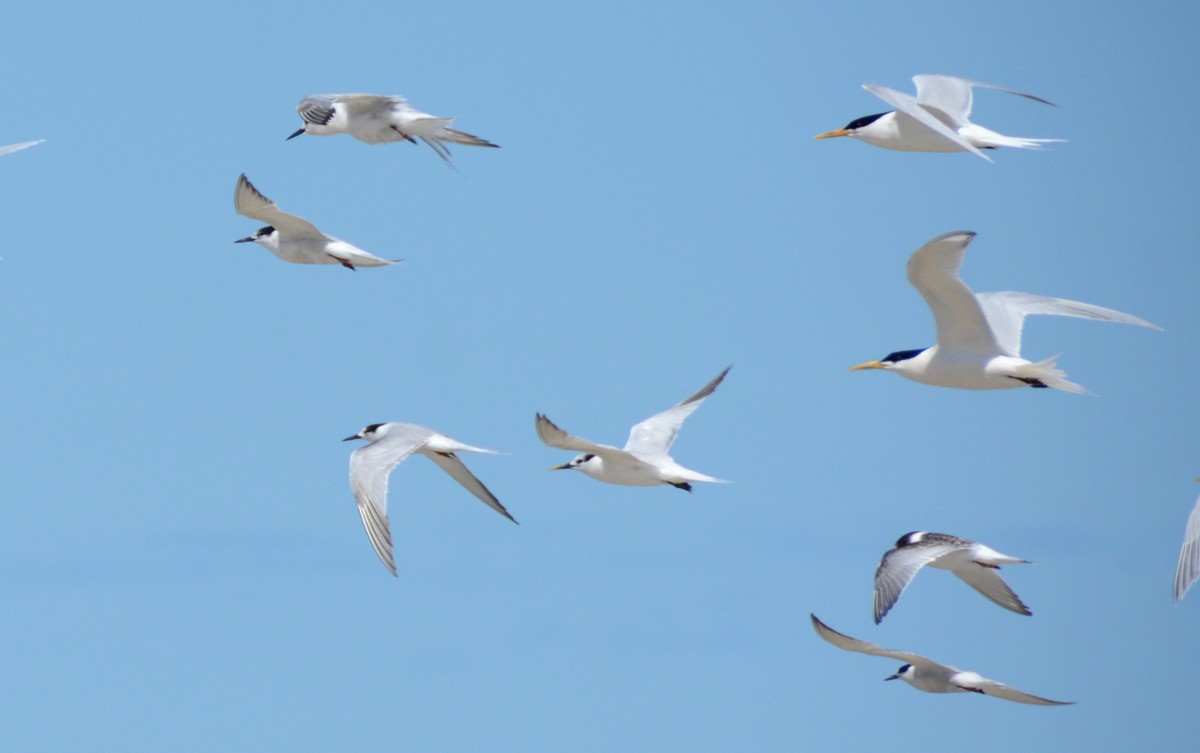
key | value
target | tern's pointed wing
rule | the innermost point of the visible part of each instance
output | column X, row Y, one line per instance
column 974, row 681
column 553, row 436
column 317, row 109
column 370, row 104
column 847, row 643
column 952, row 95
column 655, row 435
column 908, row 104
column 249, row 202
column 1188, row 569
column 1006, row 311
column 897, row 569
column 18, row 147
column 369, row 469
column 987, row 581
column 933, row 271
column 452, row 464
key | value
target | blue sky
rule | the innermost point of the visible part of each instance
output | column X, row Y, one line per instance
column 180, row 558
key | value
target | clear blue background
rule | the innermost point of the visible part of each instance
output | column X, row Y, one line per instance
column 181, row 564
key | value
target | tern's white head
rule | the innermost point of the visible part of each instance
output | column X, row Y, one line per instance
column 869, row 128
column 901, row 361
column 369, row 433
column 266, row 236
column 905, row 673
column 585, row 463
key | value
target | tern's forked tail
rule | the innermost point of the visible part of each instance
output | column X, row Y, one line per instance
column 1046, row 374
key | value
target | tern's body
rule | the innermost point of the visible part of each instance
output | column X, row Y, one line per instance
column 971, row 561
column 644, row 461
column 1188, row 569
column 379, row 119
column 293, row 238
column 389, row 445
column 929, row 676
column 979, row 334
column 936, row 120
column 18, row 147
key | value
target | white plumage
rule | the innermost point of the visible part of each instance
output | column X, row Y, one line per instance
column 645, row 459
column 937, row 119
column 979, row 334
column 390, row 444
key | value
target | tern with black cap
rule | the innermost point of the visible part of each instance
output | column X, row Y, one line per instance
column 979, row 334
column 644, row 461
column 936, row 120
column 390, row 444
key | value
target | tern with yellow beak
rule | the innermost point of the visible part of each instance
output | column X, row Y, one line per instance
column 979, row 334
column 936, row 120
column 644, row 460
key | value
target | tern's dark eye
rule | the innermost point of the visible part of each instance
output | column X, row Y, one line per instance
column 586, row 458
column 372, row 428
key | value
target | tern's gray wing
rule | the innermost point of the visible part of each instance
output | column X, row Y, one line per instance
column 369, row 470
column 977, row 682
column 899, row 566
column 317, row 109
column 952, row 95
column 249, row 202
column 553, row 436
column 1006, row 311
column 452, row 464
column 1188, row 569
column 847, row 643
column 370, row 104
column 933, row 271
column 655, row 435
column 18, row 147
column 987, row 581
column 908, row 105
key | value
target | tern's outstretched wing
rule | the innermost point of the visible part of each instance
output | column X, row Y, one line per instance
column 1006, row 311
column 553, row 436
column 655, row 435
column 371, row 104
column 369, row 470
column 249, row 202
column 987, row 581
column 899, row 566
column 908, row 105
column 453, row 465
column 847, row 643
column 952, row 95
column 18, row 147
column 1188, row 569
column 933, row 271
column 977, row 682
column 317, row 109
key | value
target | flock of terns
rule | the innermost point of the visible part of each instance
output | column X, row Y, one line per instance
column 977, row 347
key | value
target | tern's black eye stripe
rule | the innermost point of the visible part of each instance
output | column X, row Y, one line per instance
column 903, row 355
column 865, row 120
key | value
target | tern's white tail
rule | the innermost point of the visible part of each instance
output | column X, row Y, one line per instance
column 438, row 129
column 1046, row 373
column 1018, row 142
